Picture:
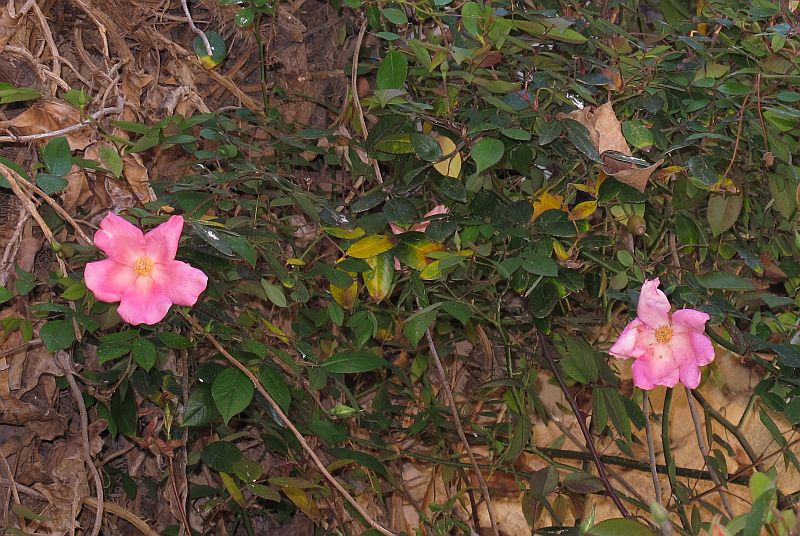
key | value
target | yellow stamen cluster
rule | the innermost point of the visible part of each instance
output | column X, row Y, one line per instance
column 143, row 266
column 664, row 333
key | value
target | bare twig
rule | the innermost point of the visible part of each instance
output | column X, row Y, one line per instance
column 55, row 206
column 65, row 362
column 66, row 130
column 278, row 411
column 195, row 29
column 547, row 351
column 357, row 101
column 651, row 450
column 121, row 512
column 12, row 247
column 451, row 402
column 701, row 442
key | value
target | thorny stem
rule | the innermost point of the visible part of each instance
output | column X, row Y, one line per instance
column 448, row 393
column 279, row 412
column 547, row 351
column 651, row 450
column 701, row 442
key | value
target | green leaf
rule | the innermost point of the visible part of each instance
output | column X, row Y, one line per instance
column 272, row 380
column 579, row 360
column 244, row 17
column 724, row 281
column 471, row 14
column 144, row 353
column 274, row 293
column 111, row 160
column 702, row 170
column 362, row 458
column 486, row 153
column 723, row 211
column 352, row 362
column 123, row 410
column 5, row 295
column 176, row 341
column 426, row 147
column 108, row 351
column 57, row 335
column 221, row 456
column 619, row 527
column 219, row 50
column 579, row 136
column 637, row 134
column 200, row 408
column 264, row 492
column 232, row 391
column 416, row 325
column 392, row 71
column 395, row 16
column 57, row 156
column 50, row 184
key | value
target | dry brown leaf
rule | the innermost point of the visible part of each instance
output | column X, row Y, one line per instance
column 48, row 117
column 605, row 132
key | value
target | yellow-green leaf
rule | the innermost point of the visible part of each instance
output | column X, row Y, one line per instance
column 348, row 234
column 371, row 246
column 379, row 280
column 583, row 210
column 449, row 167
column 233, row 489
column 413, row 250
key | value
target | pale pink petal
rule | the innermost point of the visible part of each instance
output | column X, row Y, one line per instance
column 692, row 348
column 653, row 307
column 658, row 368
column 145, row 303
column 181, row 282
column 108, row 279
column 689, row 320
column 162, row 242
column 633, row 341
column 396, row 229
column 420, row 227
column 437, row 210
column 119, row 239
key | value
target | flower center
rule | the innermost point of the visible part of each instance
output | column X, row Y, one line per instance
column 143, row 266
column 664, row 333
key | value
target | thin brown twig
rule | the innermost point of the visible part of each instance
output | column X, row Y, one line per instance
column 738, row 138
column 122, row 513
column 651, row 450
column 279, row 412
column 66, row 130
column 547, row 351
column 357, row 101
column 200, row 33
column 55, row 206
column 701, row 442
column 451, row 402
column 65, row 362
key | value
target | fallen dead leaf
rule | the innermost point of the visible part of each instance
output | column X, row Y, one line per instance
column 48, row 117
column 605, row 132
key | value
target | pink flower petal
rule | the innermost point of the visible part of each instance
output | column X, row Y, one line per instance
column 162, row 242
column 146, row 302
column 181, row 282
column 120, row 240
column 703, row 349
column 689, row 320
column 653, row 307
column 633, row 341
column 690, row 375
column 396, row 229
column 108, row 279
column 437, row 210
column 690, row 351
column 659, row 368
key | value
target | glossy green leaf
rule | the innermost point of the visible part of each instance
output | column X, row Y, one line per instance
column 232, row 391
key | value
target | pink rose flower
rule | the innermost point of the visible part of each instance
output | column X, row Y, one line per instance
column 141, row 272
column 667, row 348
